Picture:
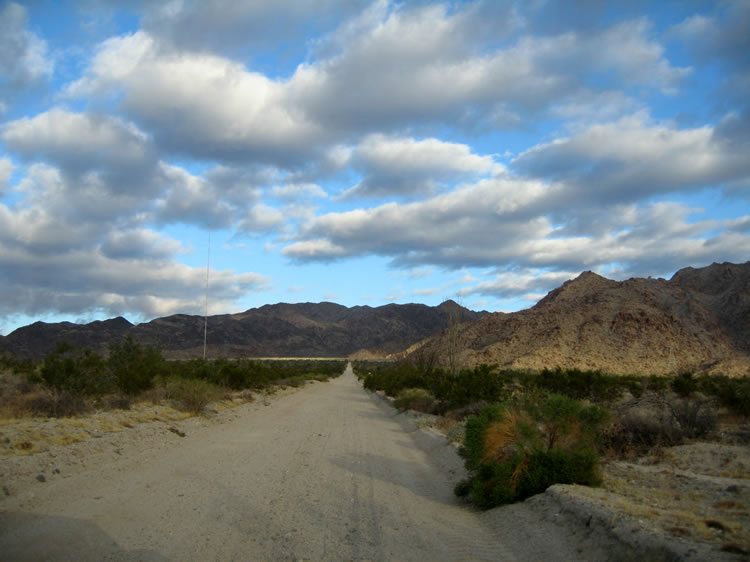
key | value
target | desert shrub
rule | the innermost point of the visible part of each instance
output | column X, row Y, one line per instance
column 17, row 365
column 232, row 374
column 295, row 381
column 465, row 412
column 239, row 374
column 199, row 368
column 578, row 384
column 517, row 449
column 452, row 390
column 54, row 403
column 76, row 370
column 663, row 420
column 13, row 385
column 732, row 393
column 362, row 368
column 482, row 383
column 695, row 417
column 634, row 433
column 394, row 377
column 417, row 399
column 14, row 390
column 685, row 384
column 192, row 395
column 134, row 366
column 118, row 402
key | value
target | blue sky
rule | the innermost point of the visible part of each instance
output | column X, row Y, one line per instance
column 362, row 152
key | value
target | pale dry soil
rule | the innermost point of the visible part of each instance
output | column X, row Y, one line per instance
column 324, row 472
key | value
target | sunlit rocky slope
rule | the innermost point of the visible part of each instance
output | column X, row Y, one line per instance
column 699, row 320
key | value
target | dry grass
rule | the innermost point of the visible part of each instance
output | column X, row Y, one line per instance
column 501, row 438
column 25, row 432
column 25, row 436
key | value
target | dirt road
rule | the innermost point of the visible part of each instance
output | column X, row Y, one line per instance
column 329, row 472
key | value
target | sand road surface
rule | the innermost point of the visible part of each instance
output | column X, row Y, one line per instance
column 330, row 472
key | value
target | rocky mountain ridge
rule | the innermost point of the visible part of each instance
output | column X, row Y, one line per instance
column 699, row 320
column 280, row 330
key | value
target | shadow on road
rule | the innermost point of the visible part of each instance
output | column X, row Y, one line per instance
column 29, row 536
column 406, row 474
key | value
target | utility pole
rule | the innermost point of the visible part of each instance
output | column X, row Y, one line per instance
column 205, row 318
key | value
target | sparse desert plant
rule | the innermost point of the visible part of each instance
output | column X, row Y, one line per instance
column 517, row 449
column 634, row 433
column 417, row 399
column 696, row 417
column 118, row 402
column 663, row 419
column 54, row 403
column 14, row 390
column 192, row 395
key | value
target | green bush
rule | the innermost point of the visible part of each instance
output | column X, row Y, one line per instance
column 578, row 384
column 76, row 370
column 394, row 377
column 482, row 383
column 731, row 392
column 516, row 449
column 685, row 384
column 133, row 366
column 239, row 374
column 17, row 365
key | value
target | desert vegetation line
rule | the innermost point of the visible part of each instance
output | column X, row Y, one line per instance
column 72, row 380
column 523, row 431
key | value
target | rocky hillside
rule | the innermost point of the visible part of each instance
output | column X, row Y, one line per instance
column 699, row 320
column 280, row 330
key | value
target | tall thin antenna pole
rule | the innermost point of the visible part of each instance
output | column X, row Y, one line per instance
column 205, row 318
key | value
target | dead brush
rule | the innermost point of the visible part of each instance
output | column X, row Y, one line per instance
column 14, row 393
column 504, row 439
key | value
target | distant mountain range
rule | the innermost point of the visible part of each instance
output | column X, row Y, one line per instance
column 280, row 330
column 699, row 320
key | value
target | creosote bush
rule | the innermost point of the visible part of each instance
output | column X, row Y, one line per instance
column 76, row 370
column 134, row 366
column 72, row 380
column 417, row 399
column 516, row 449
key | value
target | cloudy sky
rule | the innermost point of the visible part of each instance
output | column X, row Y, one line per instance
column 362, row 152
